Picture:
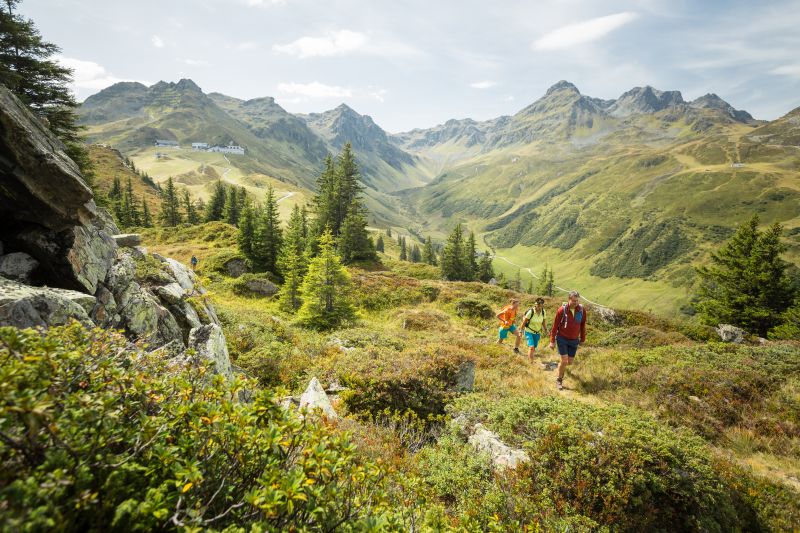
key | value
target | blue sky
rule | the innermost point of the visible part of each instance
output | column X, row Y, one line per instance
column 418, row 63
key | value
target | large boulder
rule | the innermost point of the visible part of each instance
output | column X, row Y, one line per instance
column 209, row 343
column 729, row 333
column 18, row 266
column 501, row 455
column 23, row 306
column 314, row 398
column 128, row 239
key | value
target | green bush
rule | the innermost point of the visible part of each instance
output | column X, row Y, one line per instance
column 150, row 270
column 640, row 337
column 609, row 467
column 99, row 436
column 472, row 307
column 422, row 379
column 216, row 262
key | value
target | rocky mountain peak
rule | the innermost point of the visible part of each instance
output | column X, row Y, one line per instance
column 562, row 85
column 713, row 101
column 644, row 100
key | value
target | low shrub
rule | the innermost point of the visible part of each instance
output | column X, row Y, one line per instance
column 150, row 270
column 640, row 337
column 375, row 291
column 601, row 467
column 423, row 320
column 472, row 307
column 422, row 379
column 100, row 436
column 217, row 262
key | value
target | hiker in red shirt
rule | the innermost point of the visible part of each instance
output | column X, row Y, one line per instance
column 569, row 330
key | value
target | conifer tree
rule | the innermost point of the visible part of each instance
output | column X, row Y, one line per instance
column 348, row 186
column 452, row 259
column 29, row 70
column 546, row 286
column 379, row 246
column 268, row 236
column 746, row 284
column 517, row 283
column 326, row 290
column 170, row 205
column 485, row 268
column 428, row 254
column 116, row 190
column 389, row 232
column 293, row 262
column 246, row 235
column 529, row 290
column 324, row 201
column 147, row 219
column 216, row 205
column 354, row 243
column 192, row 216
column 230, row 211
column 502, row 281
column 132, row 215
column 416, row 254
column 403, row 250
column 399, row 240
column 469, row 261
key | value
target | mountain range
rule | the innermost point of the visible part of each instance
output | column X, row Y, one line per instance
column 630, row 193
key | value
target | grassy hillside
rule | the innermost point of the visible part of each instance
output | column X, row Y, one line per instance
column 706, row 435
column 109, row 164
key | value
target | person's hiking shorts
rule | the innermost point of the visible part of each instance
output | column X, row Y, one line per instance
column 503, row 332
column 568, row 347
column 532, row 339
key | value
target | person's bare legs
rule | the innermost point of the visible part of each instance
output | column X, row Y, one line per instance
column 518, row 341
column 531, row 351
column 562, row 366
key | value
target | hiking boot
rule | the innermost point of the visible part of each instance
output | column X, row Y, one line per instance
column 516, row 350
column 559, row 383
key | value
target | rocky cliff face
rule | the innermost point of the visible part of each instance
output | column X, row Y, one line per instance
column 61, row 257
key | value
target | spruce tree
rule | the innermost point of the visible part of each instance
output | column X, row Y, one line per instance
column 746, row 284
column 452, row 259
column 546, row 286
column 428, row 254
column 192, row 217
column 469, row 261
column 517, row 283
column 348, row 186
column 485, row 268
column 230, row 211
column 293, row 262
column 324, row 201
column 326, row 290
column 116, row 190
column 246, row 235
column 147, row 219
column 28, row 70
column 354, row 243
column 389, row 232
column 268, row 236
column 216, row 205
column 416, row 254
column 170, row 205
column 134, row 216
column 403, row 250
column 379, row 246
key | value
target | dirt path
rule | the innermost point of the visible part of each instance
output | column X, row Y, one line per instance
column 288, row 195
column 562, row 289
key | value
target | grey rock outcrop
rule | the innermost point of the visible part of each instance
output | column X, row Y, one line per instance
column 264, row 287
column 500, row 453
column 465, row 376
column 315, row 398
column 236, row 267
column 128, row 239
column 729, row 333
column 70, row 260
column 25, row 306
column 18, row 266
column 209, row 343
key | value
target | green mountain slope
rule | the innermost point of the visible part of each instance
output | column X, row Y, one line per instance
column 623, row 197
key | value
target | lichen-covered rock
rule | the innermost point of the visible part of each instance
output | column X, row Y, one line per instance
column 263, row 287
column 209, row 343
column 128, row 240
column 500, row 453
column 607, row 315
column 729, row 333
column 18, row 266
column 465, row 376
column 23, row 306
column 236, row 267
column 91, row 255
column 183, row 276
column 315, row 398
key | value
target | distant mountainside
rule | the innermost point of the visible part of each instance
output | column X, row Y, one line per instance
column 627, row 193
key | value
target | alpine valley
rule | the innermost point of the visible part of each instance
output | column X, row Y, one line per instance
column 622, row 198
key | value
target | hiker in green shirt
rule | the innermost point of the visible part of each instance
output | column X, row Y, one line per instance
column 534, row 324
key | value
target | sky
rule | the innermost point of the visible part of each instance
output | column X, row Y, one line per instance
column 417, row 63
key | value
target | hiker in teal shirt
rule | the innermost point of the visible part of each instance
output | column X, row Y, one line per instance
column 534, row 325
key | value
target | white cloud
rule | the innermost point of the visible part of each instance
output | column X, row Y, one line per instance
column 261, row 3
column 333, row 44
column 89, row 75
column 196, row 62
column 377, row 94
column 583, row 32
column 157, row 41
column 787, row 70
column 508, row 98
column 314, row 90
column 483, row 84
